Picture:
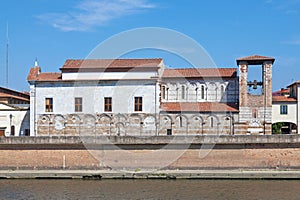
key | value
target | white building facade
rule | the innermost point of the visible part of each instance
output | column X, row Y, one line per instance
column 285, row 110
column 106, row 94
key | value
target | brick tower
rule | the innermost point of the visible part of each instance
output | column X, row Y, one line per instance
column 255, row 115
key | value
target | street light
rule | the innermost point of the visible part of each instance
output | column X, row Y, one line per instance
column 10, row 121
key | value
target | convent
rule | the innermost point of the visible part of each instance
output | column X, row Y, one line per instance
column 142, row 97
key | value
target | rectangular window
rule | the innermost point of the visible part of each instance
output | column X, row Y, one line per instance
column 138, row 103
column 283, row 110
column 107, row 104
column 49, row 104
column 78, row 104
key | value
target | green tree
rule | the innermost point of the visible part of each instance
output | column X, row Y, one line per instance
column 276, row 128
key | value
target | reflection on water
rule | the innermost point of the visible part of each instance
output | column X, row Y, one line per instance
column 149, row 189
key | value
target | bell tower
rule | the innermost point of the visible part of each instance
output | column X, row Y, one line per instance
column 255, row 115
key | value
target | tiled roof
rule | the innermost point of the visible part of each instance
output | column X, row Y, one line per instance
column 49, row 77
column 255, row 59
column 200, row 72
column 5, row 95
column 281, row 92
column 35, row 74
column 111, row 63
column 199, row 107
column 283, row 99
column 5, row 92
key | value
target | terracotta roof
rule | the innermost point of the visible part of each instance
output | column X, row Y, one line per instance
column 35, row 74
column 49, row 77
column 200, row 72
column 5, row 95
column 199, row 107
column 111, row 63
column 283, row 99
column 281, row 92
column 255, row 59
column 5, row 92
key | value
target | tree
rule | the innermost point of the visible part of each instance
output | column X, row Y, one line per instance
column 276, row 128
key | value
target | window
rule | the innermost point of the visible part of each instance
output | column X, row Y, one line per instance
column 27, row 132
column 283, row 110
column 180, row 121
column 202, row 92
column 222, row 91
column 49, row 104
column 254, row 113
column 138, row 103
column 78, row 104
column 12, row 130
column 182, row 92
column 107, row 104
column 163, row 92
column 211, row 122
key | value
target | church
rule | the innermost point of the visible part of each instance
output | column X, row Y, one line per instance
column 142, row 97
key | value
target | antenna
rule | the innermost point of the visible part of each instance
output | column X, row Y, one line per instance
column 7, row 54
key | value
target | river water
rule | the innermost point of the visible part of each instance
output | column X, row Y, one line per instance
column 150, row 189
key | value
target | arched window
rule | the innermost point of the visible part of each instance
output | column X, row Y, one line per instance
column 202, row 92
column 163, row 92
column 222, row 91
column 254, row 113
column 182, row 92
column 196, row 90
column 12, row 130
column 180, row 121
column 211, row 122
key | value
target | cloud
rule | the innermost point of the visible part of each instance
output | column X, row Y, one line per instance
column 91, row 13
column 292, row 42
column 288, row 7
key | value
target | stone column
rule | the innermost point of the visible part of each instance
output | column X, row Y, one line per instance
column 32, row 111
column 243, row 90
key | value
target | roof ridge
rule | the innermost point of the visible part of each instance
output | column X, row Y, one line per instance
column 208, row 68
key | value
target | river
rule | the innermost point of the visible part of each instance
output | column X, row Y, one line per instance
column 149, row 189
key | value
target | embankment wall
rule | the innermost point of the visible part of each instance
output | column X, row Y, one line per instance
column 167, row 152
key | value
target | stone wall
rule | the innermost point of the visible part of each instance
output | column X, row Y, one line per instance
column 136, row 124
column 196, row 158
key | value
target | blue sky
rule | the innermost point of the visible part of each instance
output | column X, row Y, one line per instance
column 55, row 30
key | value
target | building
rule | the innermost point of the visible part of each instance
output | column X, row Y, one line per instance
column 199, row 101
column 96, row 96
column 142, row 97
column 14, row 113
column 285, row 109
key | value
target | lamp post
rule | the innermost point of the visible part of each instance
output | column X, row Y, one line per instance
column 10, row 122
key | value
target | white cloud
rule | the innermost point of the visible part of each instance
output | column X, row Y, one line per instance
column 92, row 13
column 292, row 42
column 288, row 7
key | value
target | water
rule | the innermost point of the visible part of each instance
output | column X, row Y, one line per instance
column 150, row 189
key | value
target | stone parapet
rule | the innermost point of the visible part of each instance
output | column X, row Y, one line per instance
column 155, row 140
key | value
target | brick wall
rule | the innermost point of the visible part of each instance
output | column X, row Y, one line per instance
column 262, row 158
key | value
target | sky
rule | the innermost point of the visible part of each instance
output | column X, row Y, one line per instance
column 52, row 31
